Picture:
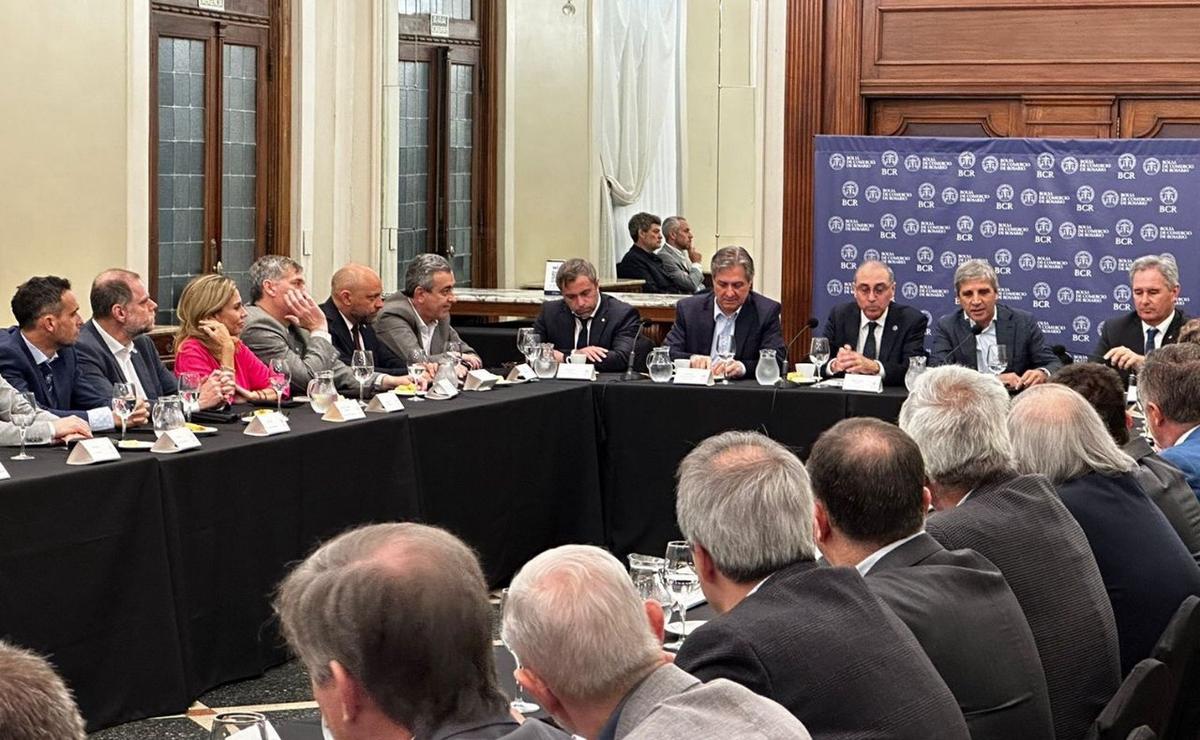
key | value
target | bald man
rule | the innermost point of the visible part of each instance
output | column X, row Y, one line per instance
column 355, row 297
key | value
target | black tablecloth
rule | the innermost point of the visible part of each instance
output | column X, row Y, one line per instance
column 148, row 580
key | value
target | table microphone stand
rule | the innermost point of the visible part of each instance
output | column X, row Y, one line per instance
column 629, row 374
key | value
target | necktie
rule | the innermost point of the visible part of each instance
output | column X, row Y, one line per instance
column 48, row 376
column 357, row 334
column 869, row 349
column 581, row 341
column 1151, row 333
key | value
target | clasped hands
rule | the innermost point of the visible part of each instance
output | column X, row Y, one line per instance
column 594, row 354
column 849, row 361
column 730, row 369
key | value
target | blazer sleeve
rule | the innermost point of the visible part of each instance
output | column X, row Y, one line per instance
column 676, row 340
column 1105, row 342
column 713, row 652
column 43, row 422
column 397, row 334
column 85, row 396
column 1041, row 356
column 680, row 279
column 92, row 370
column 943, row 343
column 466, row 348
column 624, row 335
column 266, row 340
column 914, row 344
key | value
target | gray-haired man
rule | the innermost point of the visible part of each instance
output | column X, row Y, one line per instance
column 679, row 257
column 417, row 319
column 1125, row 340
column 35, row 704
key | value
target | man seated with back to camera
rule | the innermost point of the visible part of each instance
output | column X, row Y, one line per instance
column 586, row 321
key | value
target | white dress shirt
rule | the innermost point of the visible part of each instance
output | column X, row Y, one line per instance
column 862, row 337
column 984, row 341
column 426, row 330
column 579, row 324
column 869, row 561
column 124, row 354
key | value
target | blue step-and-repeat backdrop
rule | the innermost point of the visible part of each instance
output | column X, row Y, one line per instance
column 1059, row 220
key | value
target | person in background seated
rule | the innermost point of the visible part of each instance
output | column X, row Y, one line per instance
column 812, row 638
column 1146, row 569
column 958, row 417
column 211, row 319
column 1030, row 361
column 35, row 704
column 874, row 335
column 750, row 319
column 678, row 254
column 285, row 323
column 45, row 424
column 1155, row 322
column 586, row 321
column 115, row 347
column 641, row 262
column 1163, row 482
column 393, row 625
column 355, row 298
column 416, row 321
column 590, row 652
column 1170, row 391
column 38, row 355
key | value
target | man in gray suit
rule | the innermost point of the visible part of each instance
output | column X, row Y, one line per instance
column 868, row 479
column 393, row 625
column 286, row 323
column 678, row 256
column 45, row 424
column 958, row 418
column 415, row 322
column 590, row 653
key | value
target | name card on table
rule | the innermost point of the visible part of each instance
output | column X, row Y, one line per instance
column 479, row 380
column 88, row 451
column 522, row 372
column 4, row 473
column 344, row 409
column 176, row 440
column 576, row 371
column 445, row 388
column 268, row 424
column 385, row 403
column 864, row 383
column 693, row 376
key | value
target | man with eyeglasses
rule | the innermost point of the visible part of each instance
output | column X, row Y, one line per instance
column 875, row 335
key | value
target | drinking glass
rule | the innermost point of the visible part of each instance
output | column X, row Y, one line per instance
column 916, row 367
column 533, row 347
column 520, row 702
column 228, row 724
column 280, row 379
column 189, row 392
column 416, row 364
column 123, row 401
column 767, row 371
column 997, row 359
column 22, row 413
column 818, row 351
column 454, row 349
column 362, row 362
column 724, row 355
column 523, row 339
column 647, row 574
column 682, row 581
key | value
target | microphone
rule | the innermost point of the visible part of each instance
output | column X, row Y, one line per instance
column 976, row 330
column 629, row 373
column 809, row 325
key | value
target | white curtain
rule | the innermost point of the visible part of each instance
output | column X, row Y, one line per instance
column 638, row 73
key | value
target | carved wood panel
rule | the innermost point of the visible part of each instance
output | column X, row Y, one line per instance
column 924, row 117
column 1160, row 119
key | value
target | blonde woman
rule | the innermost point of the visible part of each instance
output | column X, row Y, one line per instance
column 211, row 318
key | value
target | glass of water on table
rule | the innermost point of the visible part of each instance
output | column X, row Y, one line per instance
column 682, row 581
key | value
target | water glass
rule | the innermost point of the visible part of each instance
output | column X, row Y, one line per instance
column 533, row 347
column 523, row 335
column 189, row 392
column 997, row 359
column 228, row 724
column 520, row 702
column 124, row 400
column 682, row 581
column 724, row 356
column 818, row 351
column 280, row 379
column 767, row 372
column 647, row 574
column 22, row 414
column 362, row 363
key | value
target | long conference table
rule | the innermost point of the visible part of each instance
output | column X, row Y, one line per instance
column 148, row 580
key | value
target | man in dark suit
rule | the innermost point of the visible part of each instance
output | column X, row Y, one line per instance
column 733, row 309
column 967, row 337
column 1125, row 340
column 874, row 335
column 114, row 346
column 868, row 478
column 38, row 354
column 814, row 639
column 586, row 321
column 1170, row 392
column 958, row 419
column 355, row 297
column 641, row 262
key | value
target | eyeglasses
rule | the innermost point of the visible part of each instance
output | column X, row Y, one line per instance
column 865, row 289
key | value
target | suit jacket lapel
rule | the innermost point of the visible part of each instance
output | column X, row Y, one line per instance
column 39, row 390
column 889, row 333
column 708, row 325
column 598, row 335
column 743, row 327
column 1172, row 331
column 148, row 378
column 968, row 351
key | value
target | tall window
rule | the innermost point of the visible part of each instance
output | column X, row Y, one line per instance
column 434, row 139
column 211, row 146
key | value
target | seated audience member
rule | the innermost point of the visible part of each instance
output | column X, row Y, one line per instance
column 586, row 321
column 641, row 262
column 732, row 308
column 35, row 704
column 45, row 424
column 1162, row 482
column 284, row 323
column 678, row 255
column 211, row 320
column 814, row 639
column 114, row 346
column 874, row 335
column 38, row 355
column 1146, row 569
column 1170, row 391
column 1030, row 361
column 589, row 650
column 416, row 321
column 1155, row 322
column 1190, row 332
column 355, row 298
column 958, row 418
column 392, row 623
column 868, row 479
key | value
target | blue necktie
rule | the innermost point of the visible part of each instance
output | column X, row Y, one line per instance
column 48, row 376
column 1151, row 333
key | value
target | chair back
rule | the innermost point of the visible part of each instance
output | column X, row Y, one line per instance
column 1179, row 650
column 1143, row 699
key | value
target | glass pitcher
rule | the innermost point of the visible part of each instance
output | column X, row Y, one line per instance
column 544, row 363
column 767, row 372
column 916, row 367
column 659, row 365
column 167, row 414
column 321, row 391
